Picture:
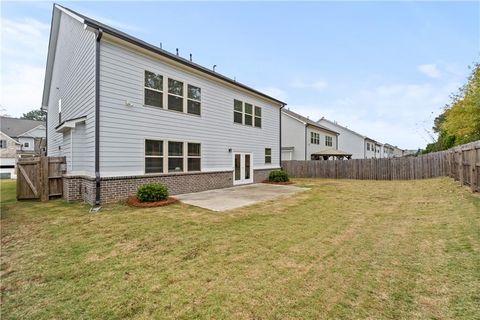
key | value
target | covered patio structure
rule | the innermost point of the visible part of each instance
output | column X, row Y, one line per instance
column 331, row 154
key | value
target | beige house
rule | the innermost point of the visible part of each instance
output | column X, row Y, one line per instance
column 19, row 138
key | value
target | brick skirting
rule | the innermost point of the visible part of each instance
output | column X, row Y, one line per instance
column 113, row 189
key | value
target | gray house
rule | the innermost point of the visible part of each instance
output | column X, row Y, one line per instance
column 304, row 139
column 125, row 113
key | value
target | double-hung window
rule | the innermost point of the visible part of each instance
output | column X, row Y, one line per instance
column 153, row 89
column 248, row 114
column 193, row 157
column 328, row 141
column 175, row 156
column 194, row 98
column 314, row 138
column 238, row 111
column 153, row 156
column 368, row 146
column 268, row 155
column 3, row 144
column 175, row 95
column 258, row 117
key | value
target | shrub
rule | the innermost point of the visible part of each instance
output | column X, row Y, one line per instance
column 278, row 176
column 152, row 192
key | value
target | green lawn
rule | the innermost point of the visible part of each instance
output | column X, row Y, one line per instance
column 345, row 249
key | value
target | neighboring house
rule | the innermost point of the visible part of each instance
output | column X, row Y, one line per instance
column 397, row 152
column 125, row 113
column 387, row 150
column 304, row 139
column 371, row 150
column 19, row 138
column 348, row 140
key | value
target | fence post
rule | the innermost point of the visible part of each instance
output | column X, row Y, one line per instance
column 460, row 168
column 43, row 168
column 473, row 169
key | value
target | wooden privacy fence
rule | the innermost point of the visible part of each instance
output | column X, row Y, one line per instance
column 461, row 163
column 40, row 177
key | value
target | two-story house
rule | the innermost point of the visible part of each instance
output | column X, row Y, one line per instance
column 124, row 113
column 19, row 138
column 304, row 139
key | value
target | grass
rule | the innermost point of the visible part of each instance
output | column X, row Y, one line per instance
column 345, row 249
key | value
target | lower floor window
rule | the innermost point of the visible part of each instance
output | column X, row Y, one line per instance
column 268, row 155
column 179, row 156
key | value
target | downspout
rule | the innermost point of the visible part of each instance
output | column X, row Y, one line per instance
column 97, row 116
column 46, row 134
column 280, row 138
column 306, row 125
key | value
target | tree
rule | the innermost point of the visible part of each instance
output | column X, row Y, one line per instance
column 38, row 115
column 460, row 122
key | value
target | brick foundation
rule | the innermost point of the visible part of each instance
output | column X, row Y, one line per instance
column 113, row 189
column 262, row 175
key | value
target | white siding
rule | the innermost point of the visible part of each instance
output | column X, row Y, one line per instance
column 73, row 81
column 79, row 156
column 313, row 148
column 123, row 129
column 293, row 135
column 67, row 149
column 347, row 141
column 30, row 141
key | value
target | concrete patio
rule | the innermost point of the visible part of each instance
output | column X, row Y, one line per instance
column 236, row 197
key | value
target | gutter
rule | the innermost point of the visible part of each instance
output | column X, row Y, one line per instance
column 306, row 126
column 97, row 116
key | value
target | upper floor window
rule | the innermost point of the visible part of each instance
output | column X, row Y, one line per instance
column 59, row 110
column 26, row 144
column 238, row 111
column 194, row 98
column 328, row 141
column 247, row 114
column 258, row 117
column 268, row 155
column 3, row 144
column 175, row 99
column 175, row 95
column 368, row 146
column 153, row 89
column 314, row 138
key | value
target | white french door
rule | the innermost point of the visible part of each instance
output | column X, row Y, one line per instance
column 243, row 169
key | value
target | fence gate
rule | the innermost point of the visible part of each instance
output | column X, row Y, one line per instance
column 40, row 177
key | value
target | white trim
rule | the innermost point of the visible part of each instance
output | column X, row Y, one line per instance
column 243, row 180
column 70, row 124
column 71, row 14
column 25, row 134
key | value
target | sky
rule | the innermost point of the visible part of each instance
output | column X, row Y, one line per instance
column 383, row 69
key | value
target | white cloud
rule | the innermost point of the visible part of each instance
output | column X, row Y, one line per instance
column 430, row 70
column 274, row 92
column 399, row 114
column 316, row 85
column 23, row 56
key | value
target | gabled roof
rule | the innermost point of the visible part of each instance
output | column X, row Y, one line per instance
column 89, row 22
column 345, row 128
column 14, row 128
column 307, row 121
